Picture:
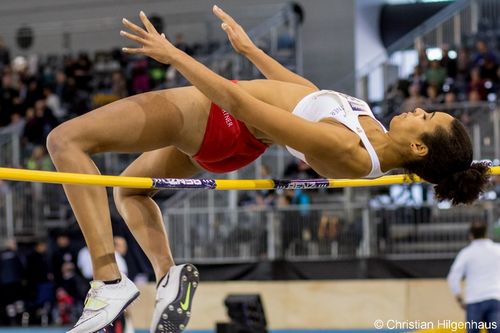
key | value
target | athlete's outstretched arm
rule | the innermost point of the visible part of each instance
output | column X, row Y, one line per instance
column 282, row 127
column 241, row 43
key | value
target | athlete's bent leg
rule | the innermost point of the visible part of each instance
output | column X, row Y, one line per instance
column 176, row 284
column 141, row 213
column 133, row 124
column 139, row 123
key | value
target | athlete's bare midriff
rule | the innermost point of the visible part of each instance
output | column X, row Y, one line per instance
column 195, row 107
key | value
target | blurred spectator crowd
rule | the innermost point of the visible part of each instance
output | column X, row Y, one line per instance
column 45, row 282
column 467, row 74
column 39, row 92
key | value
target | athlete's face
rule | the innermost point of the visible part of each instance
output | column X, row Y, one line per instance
column 410, row 126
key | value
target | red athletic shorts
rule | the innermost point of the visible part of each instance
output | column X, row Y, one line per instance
column 228, row 145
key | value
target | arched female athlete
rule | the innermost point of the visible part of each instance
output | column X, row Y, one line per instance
column 218, row 125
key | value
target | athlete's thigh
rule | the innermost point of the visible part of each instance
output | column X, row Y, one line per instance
column 168, row 162
column 139, row 123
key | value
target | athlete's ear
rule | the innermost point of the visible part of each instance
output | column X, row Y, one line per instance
column 419, row 149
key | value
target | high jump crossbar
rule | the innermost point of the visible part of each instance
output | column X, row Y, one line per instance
column 192, row 183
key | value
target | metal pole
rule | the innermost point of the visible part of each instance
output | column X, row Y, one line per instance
column 439, row 36
column 211, row 216
column 348, row 197
column 281, row 153
column 236, row 67
column 271, row 236
column 16, row 150
column 490, row 216
column 496, row 131
column 476, row 139
column 36, row 215
column 365, row 245
column 258, row 168
column 233, row 201
column 457, row 31
column 233, row 195
column 274, row 41
column 299, row 50
column 9, row 214
column 474, row 16
column 187, row 230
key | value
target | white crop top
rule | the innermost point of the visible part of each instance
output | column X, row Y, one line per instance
column 344, row 109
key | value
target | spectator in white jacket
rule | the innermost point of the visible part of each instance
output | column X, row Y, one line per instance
column 85, row 263
column 479, row 265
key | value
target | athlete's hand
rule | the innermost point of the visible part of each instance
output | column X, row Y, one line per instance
column 153, row 44
column 237, row 36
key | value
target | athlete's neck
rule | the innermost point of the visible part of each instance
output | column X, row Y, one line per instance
column 390, row 154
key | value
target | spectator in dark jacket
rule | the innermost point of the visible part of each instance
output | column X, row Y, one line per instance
column 4, row 54
column 40, row 279
column 11, row 280
column 39, row 122
column 63, row 253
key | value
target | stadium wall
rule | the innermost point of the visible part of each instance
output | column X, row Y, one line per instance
column 367, row 32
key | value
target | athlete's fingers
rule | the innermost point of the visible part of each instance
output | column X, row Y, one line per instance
column 223, row 15
column 229, row 31
column 135, row 28
column 132, row 37
column 133, row 50
column 149, row 26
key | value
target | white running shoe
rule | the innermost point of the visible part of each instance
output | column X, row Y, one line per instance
column 104, row 303
column 174, row 299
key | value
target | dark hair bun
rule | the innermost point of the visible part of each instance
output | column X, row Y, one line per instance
column 464, row 186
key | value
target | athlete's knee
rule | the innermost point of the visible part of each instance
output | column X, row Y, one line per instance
column 119, row 194
column 57, row 141
column 122, row 195
column 67, row 138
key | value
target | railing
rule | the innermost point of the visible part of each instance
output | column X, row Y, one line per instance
column 10, row 155
column 318, row 232
column 20, row 205
column 426, row 231
column 28, row 209
column 6, row 212
column 10, row 151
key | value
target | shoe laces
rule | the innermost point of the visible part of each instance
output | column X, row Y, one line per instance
column 92, row 294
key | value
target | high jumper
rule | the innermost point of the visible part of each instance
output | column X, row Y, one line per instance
column 218, row 125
